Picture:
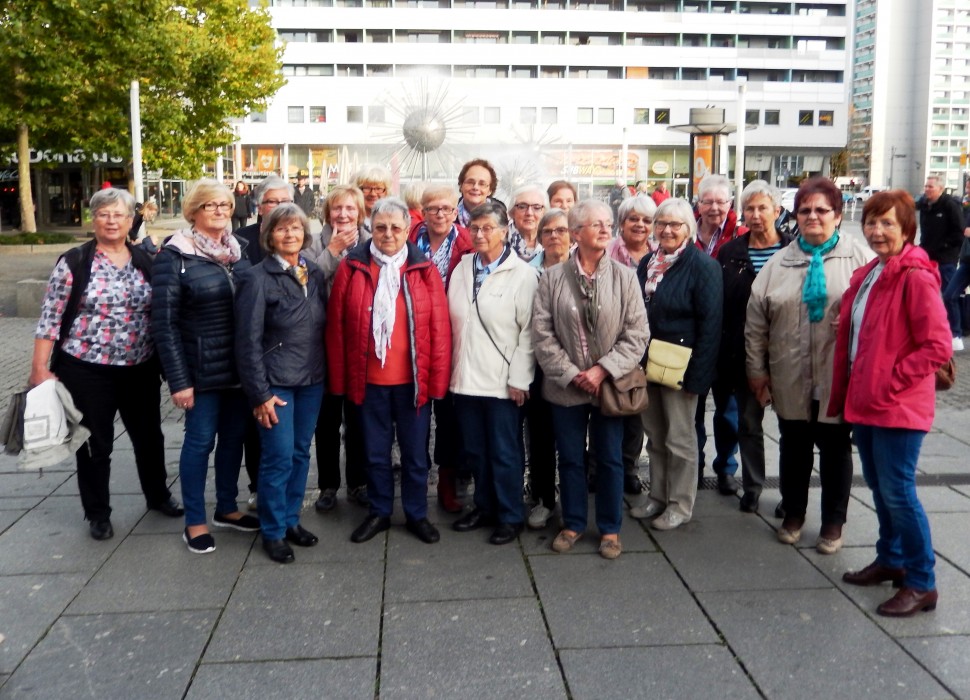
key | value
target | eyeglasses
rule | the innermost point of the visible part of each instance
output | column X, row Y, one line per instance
column 487, row 230
column 216, row 206
column 672, row 226
column 384, row 228
column 560, row 231
column 601, row 225
column 524, row 206
column 718, row 202
column 483, row 184
column 373, row 189
column 276, row 202
column 818, row 211
column 111, row 216
column 437, row 211
column 634, row 219
column 292, row 228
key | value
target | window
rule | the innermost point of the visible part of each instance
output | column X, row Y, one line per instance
column 826, row 117
column 752, row 116
column 552, row 72
column 355, row 115
column 469, row 115
column 294, row 115
column 492, row 115
column 481, row 72
column 527, row 115
column 525, row 38
column 806, row 117
column 324, row 69
column 523, row 71
column 550, row 115
column 661, row 115
column 641, row 115
column 375, row 114
column 257, row 117
column 318, row 114
column 350, row 71
column 378, row 70
column 379, row 36
column 604, row 115
column 553, row 37
column 349, row 36
column 772, row 117
column 584, row 115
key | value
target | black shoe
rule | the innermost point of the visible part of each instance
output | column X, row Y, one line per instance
column 171, row 508
column 300, row 536
column 244, row 523
column 372, row 526
column 632, row 484
column 279, row 551
column 423, row 530
column 780, row 510
column 101, row 529
column 472, row 521
column 727, row 485
column 749, row 502
column 327, row 500
column 359, row 496
column 505, row 533
column 200, row 544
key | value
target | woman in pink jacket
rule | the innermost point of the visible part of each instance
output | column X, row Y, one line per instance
column 893, row 336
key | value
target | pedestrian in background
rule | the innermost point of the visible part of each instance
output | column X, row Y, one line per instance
column 242, row 205
column 941, row 225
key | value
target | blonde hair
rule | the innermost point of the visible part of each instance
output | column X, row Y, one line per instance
column 203, row 191
column 341, row 192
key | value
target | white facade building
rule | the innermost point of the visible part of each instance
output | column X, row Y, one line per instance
column 557, row 89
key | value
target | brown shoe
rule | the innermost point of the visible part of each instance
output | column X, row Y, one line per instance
column 564, row 541
column 874, row 574
column 610, row 548
column 908, row 602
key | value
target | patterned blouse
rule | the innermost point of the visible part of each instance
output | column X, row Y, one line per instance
column 112, row 323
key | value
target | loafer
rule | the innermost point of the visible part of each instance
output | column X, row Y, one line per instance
column 632, row 484
column 564, row 541
column 505, row 533
column 789, row 535
column 327, row 501
column 359, row 496
column 300, row 536
column 749, row 502
column 372, row 526
column 610, row 548
column 423, row 530
column 472, row 521
column 646, row 511
column 101, row 529
column 825, row 545
column 669, row 520
column 279, row 551
column 727, row 485
column 244, row 523
column 200, row 544
column 907, row 602
column 875, row 574
column 171, row 508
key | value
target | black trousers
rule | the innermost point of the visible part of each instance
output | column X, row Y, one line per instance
column 334, row 411
column 447, row 435
column 100, row 392
column 797, row 457
column 542, row 445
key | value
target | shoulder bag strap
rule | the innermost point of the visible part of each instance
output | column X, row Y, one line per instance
column 482, row 321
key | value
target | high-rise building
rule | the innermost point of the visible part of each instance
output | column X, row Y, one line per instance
column 584, row 90
column 910, row 92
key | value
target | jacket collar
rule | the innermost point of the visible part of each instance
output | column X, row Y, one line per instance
column 360, row 256
column 794, row 255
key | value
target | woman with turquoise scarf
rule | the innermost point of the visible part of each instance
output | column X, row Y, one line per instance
column 790, row 331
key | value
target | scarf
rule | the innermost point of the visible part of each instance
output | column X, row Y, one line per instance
column 588, row 288
column 814, row 293
column 463, row 218
column 300, row 272
column 519, row 245
column 225, row 251
column 658, row 266
column 442, row 257
column 385, row 298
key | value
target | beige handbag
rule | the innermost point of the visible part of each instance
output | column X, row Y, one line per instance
column 667, row 363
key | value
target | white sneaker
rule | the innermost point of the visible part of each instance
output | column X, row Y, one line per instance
column 669, row 521
column 649, row 509
column 538, row 517
column 958, row 345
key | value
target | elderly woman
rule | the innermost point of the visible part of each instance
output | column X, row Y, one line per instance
column 94, row 333
column 444, row 243
column 280, row 312
column 343, row 232
column 893, row 335
column 741, row 260
column 193, row 325
column 555, row 242
column 389, row 353
column 528, row 204
column 789, row 339
column 477, row 183
column 562, row 195
column 490, row 304
column 374, row 182
column 588, row 326
column 681, row 288
column 242, row 205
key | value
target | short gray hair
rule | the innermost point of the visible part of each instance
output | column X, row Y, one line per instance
column 577, row 215
column 645, row 206
column 391, row 205
column 711, row 182
column 529, row 189
column 273, row 182
column 282, row 214
column 760, row 187
column 107, row 197
column 678, row 209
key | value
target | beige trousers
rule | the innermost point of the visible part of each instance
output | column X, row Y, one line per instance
column 672, row 447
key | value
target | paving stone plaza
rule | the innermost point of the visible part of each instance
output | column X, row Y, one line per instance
column 715, row 609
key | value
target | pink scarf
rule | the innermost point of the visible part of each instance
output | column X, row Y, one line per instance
column 225, row 251
column 658, row 266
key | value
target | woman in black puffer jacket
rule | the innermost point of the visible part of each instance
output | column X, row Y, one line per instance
column 193, row 328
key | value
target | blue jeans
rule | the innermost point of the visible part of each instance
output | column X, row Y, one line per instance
column 889, row 457
column 222, row 412
column 725, row 430
column 384, row 408
column 952, row 289
column 569, row 426
column 491, row 437
column 285, row 458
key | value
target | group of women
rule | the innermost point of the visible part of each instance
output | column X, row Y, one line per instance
column 499, row 317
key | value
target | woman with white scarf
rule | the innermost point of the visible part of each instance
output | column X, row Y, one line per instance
column 388, row 298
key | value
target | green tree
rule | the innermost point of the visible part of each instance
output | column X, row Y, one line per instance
column 69, row 65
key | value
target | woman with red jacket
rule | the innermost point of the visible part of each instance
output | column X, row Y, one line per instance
column 388, row 343
column 893, row 336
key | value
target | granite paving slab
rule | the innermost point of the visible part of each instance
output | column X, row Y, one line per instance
column 20, row 502
column 301, row 611
column 30, row 605
column 42, row 483
column 935, row 499
column 861, row 527
column 951, row 423
column 950, row 539
column 946, row 658
column 632, row 534
column 636, row 600
column 944, row 454
column 343, row 679
column 9, row 517
column 815, row 644
column 135, row 655
column 468, row 649
column 157, row 572
column 700, row 672
column 959, row 488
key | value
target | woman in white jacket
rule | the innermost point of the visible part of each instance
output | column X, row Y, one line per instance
column 490, row 302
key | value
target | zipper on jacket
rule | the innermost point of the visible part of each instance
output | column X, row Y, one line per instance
column 409, row 304
column 276, row 347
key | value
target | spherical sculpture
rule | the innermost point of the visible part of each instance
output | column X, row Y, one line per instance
column 423, row 131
